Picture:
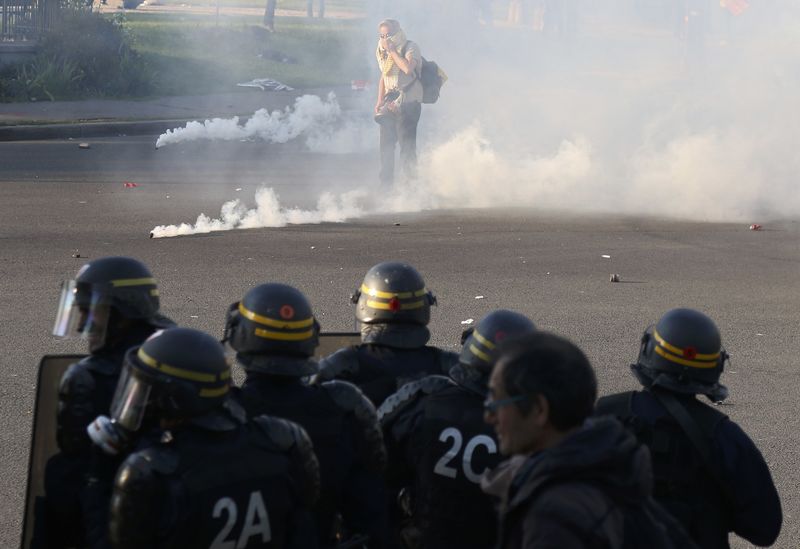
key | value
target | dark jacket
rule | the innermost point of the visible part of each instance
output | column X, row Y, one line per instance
column 439, row 446
column 344, row 429
column 590, row 491
column 748, row 505
column 380, row 369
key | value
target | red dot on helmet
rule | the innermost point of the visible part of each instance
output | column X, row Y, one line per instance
column 690, row 352
column 394, row 304
column 287, row 312
column 499, row 336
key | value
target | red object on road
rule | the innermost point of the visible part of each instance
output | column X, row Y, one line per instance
column 129, row 184
column 755, row 227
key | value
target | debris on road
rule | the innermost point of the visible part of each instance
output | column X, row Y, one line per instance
column 238, row 189
column 604, row 256
column 468, row 321
column 755, row 227
column 76, row 255
column 397, row 224
column 479, row 297
column 265, row 84
column 151, row 235
column 614, row 278
column 129, row 184
column 84, row 146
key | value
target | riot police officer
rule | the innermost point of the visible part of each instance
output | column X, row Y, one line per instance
column 274, row 333
column 707, row 472
column 113, row 304
column 439, row 445
column 214, row 479
column 393, row 308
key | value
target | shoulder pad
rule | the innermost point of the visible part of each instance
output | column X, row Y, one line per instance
column 281, row 433
column 289, row 437
column 347, row 396
column 343, row 362
column 160, row 459
column 410, row 392
column 618, row 405
column 350, row 398
column 76, row 380
column 136, row 471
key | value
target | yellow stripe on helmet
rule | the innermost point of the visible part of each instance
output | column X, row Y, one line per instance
column 180, row 372
column 123, row 282
column 283, row 336
column 478, row 353
column 685, row 362
column 678, row 351
column 266, row 321
column 403, row 306
column 485, row 342
column 212, row 393
column 372, row 292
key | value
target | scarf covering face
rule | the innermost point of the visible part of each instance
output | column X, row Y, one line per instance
column 389, row 69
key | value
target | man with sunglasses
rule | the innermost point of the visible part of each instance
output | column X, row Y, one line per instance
column 399, row 103
column 577, row 483
column 439, row 445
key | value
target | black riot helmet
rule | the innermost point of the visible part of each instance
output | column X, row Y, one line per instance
column 119, row 286
column 683, row 353
column 479, row 342
column 176, row 374
column 393, row 293
column 273, row 320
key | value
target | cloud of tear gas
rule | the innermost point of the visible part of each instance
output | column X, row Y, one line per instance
column 320, row 121
column 599, row 108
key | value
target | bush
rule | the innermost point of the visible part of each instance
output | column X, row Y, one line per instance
column 101, row 50
column 83, row 55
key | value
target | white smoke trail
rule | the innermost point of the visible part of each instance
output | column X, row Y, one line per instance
column 267, row 213
column 321, row 121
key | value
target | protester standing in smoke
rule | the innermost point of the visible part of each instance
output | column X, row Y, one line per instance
column 399, row 103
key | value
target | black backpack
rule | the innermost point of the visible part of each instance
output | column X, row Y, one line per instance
column 430, row 76
column 432, row 79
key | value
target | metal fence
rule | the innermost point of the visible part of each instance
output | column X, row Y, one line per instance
column 23, row 20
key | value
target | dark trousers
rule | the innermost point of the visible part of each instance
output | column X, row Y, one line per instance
column 404, row 130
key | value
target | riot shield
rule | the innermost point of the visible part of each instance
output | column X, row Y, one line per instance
column 43, row 438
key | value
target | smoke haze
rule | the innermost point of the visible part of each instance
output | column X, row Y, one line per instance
column 626, row 113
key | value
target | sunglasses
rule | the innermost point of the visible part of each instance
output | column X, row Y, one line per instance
column 491, row 406
column 386, row 35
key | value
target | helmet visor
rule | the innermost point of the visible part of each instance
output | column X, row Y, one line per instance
column 83, row 312
column 130, row 400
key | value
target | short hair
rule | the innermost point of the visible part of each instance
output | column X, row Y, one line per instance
column 393, row 24
column 546, row 364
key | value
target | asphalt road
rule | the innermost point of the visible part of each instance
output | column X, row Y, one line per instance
column 57, row 201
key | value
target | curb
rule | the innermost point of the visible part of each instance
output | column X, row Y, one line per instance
column 88, row 129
